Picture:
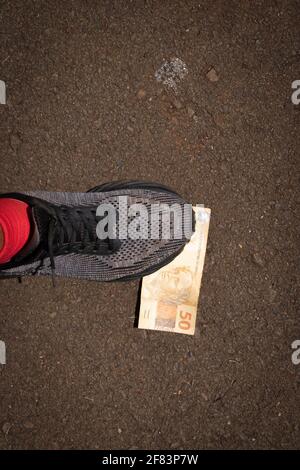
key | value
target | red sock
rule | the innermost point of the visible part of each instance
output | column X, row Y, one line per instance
column 15, row 225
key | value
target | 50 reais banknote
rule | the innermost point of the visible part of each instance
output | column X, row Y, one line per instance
column 169, row 297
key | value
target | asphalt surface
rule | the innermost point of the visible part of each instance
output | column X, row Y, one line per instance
column 85, row 106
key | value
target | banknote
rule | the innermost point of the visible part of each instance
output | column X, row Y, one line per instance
column 169, row 297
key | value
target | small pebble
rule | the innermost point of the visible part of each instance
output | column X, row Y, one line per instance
column 257, row 259
column 15, row 142
column 141, row 94
column 190, row 112
column 272, row 294
column 28, row 425
column 212, row 75
column 6, row 427
column 177, row 104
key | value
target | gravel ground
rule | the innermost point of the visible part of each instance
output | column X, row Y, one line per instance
column 88, row 102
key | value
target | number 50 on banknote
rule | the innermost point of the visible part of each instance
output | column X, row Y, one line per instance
column 169, row 297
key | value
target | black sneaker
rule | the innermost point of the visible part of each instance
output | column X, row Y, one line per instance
column 64, row 240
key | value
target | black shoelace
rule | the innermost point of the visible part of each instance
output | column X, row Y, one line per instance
column 73, row 229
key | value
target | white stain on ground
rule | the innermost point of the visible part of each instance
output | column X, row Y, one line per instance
column 171, row 72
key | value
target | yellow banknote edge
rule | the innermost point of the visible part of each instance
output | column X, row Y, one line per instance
column 169, row 297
